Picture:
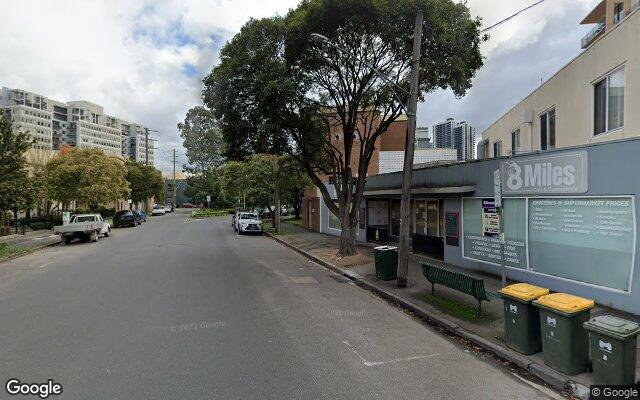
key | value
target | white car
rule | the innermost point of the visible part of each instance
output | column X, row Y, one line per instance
column 158, row 209
column 248, row 223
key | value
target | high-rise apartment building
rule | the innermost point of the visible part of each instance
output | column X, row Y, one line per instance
column 136, row 143
column 53, row 124
column 29, row 113
column 457, row 135
column 443, row 133
column 464, row 141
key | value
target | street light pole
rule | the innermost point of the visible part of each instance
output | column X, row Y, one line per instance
column 405, row 202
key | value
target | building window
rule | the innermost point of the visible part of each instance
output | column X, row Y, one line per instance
column 548, row 129
column 608, row 102
column 618, row 13
column 515, row 141
column 497, row 148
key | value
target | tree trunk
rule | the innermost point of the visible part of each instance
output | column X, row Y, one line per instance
column 347, row 236
column 276, row 196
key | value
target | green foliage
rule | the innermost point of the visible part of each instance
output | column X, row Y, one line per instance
column 145, row 182
column 205, row 183
column 202, row 139
column 253, row 181
column 209, row 213
column 15, row 186
column 87, row 176
column 276, row 91
column 9, row 250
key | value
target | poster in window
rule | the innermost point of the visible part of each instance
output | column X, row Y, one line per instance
column 452, row 228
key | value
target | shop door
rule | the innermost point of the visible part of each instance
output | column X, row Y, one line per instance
column 433, row 218
column 420, row 217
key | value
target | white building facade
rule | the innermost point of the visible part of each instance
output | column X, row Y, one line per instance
column 393, row 161
column 54, row 124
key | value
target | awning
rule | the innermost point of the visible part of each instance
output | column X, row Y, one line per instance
column 433, row 190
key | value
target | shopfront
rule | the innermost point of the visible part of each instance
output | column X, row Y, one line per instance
column 570, row 218
column 427, row 224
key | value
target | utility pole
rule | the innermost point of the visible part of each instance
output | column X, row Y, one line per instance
column 276, row 195
column 174, row 179
column 405, row 204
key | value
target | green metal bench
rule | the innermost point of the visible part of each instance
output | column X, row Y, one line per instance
column 455, row 280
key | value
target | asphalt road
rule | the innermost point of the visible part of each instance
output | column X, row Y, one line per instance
column 186, row 309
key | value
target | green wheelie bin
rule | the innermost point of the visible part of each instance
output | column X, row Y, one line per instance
column 386, row 262
column 565, row 343
column 521, row 319
column 613, row 350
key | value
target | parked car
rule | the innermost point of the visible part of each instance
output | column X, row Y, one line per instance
column 126, row 218
column 84, row 227
column 264, row 214
column 188, row 205
column 168, row 208
column 158, row 209
column 141, row 214
column 249, row 223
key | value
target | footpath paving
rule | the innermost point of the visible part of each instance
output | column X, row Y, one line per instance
column 450, row 309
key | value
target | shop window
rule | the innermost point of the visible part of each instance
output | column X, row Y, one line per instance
column 334, row 222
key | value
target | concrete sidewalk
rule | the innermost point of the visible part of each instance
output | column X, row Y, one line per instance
column 451, row 309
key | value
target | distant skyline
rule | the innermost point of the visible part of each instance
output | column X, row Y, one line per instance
column 145, row 60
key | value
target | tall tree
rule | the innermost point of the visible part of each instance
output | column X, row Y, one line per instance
column 207, row 183
column 202, row 139
column 145, row 181
column 277, row 84
column 14, row 178
column 87, row 176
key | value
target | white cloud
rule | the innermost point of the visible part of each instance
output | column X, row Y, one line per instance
column 131, row 56
column 127, row 56
column 521, row 52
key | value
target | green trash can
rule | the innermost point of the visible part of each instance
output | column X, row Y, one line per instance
column 613, row 350
column 386, row 262
column 565, row 343
column 521, row 319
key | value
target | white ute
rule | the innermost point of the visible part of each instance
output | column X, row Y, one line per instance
column 84, row 227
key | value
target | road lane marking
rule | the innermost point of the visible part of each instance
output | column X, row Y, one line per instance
column 368, row 363
column 45, row 264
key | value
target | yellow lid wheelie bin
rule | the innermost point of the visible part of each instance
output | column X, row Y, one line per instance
column 565, row 343
column 521, row 319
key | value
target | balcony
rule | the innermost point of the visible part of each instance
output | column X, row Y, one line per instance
column 593, row 34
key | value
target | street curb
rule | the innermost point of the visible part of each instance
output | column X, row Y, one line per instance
column 31, row 250
column 550, row 376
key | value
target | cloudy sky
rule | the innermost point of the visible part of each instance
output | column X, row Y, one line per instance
column 144, row 60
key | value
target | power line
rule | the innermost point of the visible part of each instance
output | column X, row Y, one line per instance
column 511, row 16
